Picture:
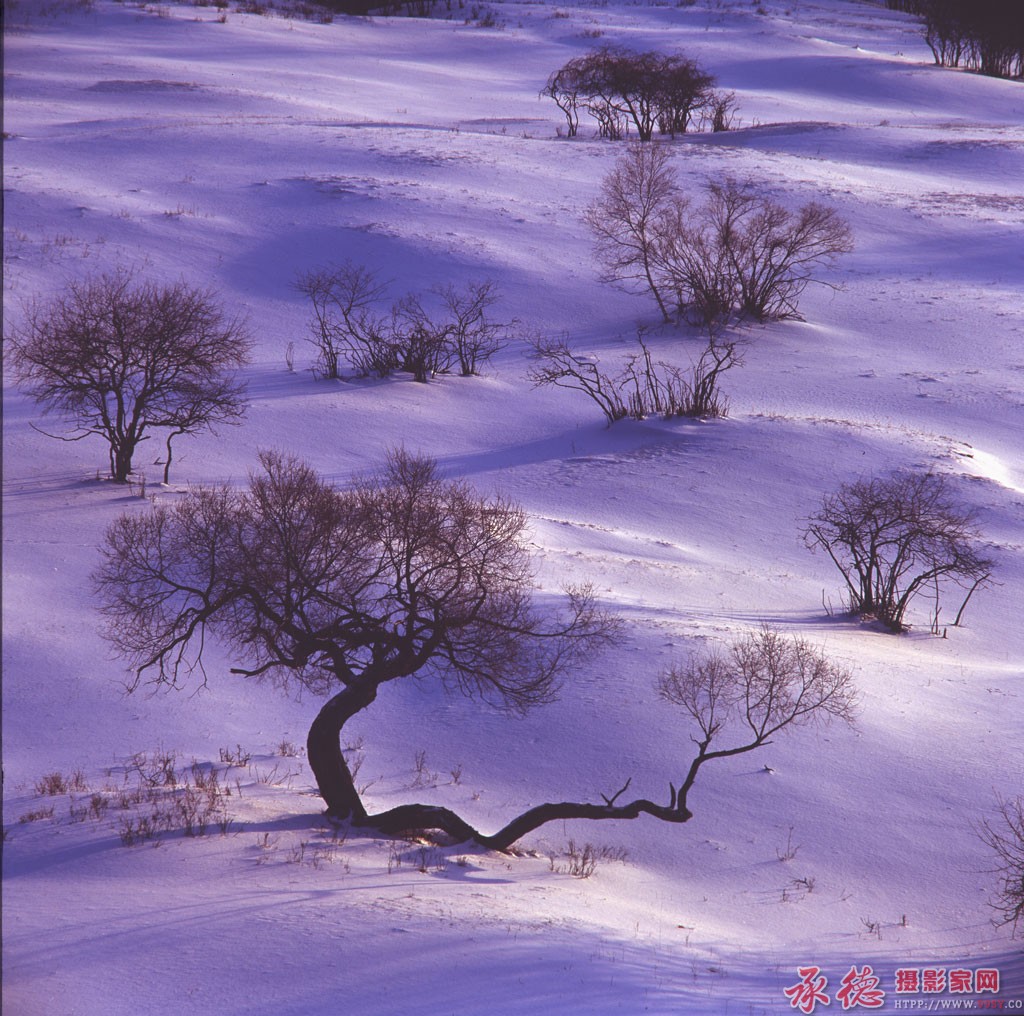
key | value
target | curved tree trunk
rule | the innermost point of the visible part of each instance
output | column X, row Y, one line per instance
column 323, row 748
column 336, row 786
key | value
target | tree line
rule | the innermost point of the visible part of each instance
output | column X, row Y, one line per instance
column 979, row 35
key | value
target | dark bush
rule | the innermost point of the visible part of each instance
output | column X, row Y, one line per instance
column 647, row 91
column 897, row 537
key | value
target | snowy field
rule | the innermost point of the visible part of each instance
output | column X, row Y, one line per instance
column 237, row 153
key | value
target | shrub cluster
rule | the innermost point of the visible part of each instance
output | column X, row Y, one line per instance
column 644, row 387
column 738, row 254
column 621, row 90
column 979, row 35
column 349, row 326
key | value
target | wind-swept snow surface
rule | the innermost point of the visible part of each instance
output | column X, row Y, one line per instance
column 236, row 153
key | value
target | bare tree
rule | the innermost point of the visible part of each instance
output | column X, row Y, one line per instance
column 346, row 322
column 118, row 358
column 684, row 91
column 473, row 336
column 563, row 86
column 744, row 254
column 979, row 35
column 689, row 260
column 618, row 87
column 895, row 537
column 742, row 698
column 341, row 592
column 774, row 253
column 719, row 111
column 1006, row 840
column 628, row 215
column 739, row 700
column 739, row 253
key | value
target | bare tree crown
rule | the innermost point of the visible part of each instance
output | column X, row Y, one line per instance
column 737, row 254
column 896, row 537
column 118, row 357
column 646, row 91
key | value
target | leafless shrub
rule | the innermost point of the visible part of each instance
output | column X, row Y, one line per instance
column 789, row 852
column 37, row 815
column 798, row 889
column 53, row 784
column 1005, row 838
column 719, row 112
column 872, row 927
column 897, row 537
column 644, row 387
column 345, row 323
column 186, row 802
column 737, row 254
column 118, row 358
column 423, row 775
column 422, row 346
column 619, row 89
column 235, row 757
column 774, row 252
column 700, row 395
column 472, row 335
column 582, row 859
column 744, row 254
column 558, row 365
column 94, row 808
column 349, row 326
column 156, row 770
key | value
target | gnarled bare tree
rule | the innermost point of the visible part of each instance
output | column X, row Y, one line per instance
column 118, row 358
column 343, row 591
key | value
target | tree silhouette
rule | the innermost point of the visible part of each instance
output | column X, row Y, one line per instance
column 118, row 358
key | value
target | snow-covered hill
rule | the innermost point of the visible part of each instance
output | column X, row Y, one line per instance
column 237, row 152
